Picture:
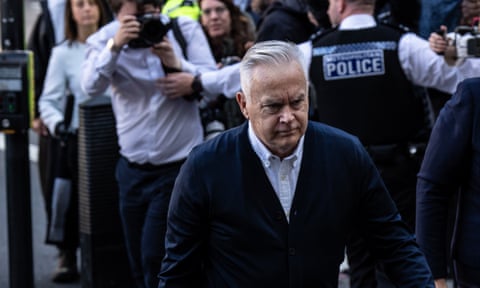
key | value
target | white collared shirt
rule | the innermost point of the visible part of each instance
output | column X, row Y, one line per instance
column 282, row 173
column 150, row 127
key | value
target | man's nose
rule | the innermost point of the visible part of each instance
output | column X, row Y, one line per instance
column 286, row 114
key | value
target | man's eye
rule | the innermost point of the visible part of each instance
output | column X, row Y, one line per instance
column 297, row 103
column 272, row 108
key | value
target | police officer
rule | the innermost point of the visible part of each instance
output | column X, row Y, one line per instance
column 364, row 74
column 176, row 8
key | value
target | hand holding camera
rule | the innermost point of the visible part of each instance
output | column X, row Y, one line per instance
column 152, row 30
column 129, row 30
column 456, row 46
column 442, row 45
column 164, row 50
column 149, row 32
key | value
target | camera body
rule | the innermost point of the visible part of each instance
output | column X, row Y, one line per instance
column 467, row 41
column 153, row 27
column 230, row 60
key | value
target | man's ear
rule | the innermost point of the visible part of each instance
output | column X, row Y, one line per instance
column 242, row 103
column 341, row 7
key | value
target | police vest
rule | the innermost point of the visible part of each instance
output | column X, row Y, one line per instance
column 361, row 87
column 175, row 8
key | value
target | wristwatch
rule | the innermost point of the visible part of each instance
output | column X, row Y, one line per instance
column 111, row 46
column 197, row 86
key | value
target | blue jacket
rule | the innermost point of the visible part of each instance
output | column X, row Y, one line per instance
column 452, row 165
column 226, row 224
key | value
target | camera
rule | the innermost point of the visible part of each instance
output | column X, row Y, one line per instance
column 465, row 41
column 230, row 60
column 153, row 28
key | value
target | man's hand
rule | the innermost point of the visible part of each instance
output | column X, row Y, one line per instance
column 39, row 127
column 129, row 29
column 441, row 283
column 437, row 40
column 442, row 45
column 165, row 51
column 175, row 85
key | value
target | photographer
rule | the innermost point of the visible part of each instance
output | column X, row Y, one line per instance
column 155, row 132
column 455, row 45
column 230, row 34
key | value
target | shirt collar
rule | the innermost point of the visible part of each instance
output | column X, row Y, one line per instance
column 357, row 21
column 265, row 155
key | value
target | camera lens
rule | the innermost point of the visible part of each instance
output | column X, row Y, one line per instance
column 152, row 30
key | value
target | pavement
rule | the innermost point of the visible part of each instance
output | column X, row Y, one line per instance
column 44, row 256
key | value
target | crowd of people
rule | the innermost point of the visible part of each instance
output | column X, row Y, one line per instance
column 261, row 141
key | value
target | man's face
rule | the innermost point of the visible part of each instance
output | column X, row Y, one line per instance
column 277, row 106
column 149, row 9
column 128, row 8
column 215, row 18
column 85, row 13
column 131, row 8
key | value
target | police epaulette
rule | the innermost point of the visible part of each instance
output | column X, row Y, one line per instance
column 399, row 27
column 320, row 33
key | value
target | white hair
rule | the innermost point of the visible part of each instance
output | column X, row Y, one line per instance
column 269, row 53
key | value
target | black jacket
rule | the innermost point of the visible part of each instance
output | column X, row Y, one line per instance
column 224, row 216
column 282, row 22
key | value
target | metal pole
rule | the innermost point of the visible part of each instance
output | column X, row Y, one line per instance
column 17, row 167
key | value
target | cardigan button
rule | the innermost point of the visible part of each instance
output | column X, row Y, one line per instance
column 278, row 215
column 292, row 251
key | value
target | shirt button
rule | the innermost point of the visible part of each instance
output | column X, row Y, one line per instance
column 278, row 215
column 292, row 251
column 293, row 212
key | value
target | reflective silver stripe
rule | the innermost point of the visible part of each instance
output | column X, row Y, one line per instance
column 354, row 47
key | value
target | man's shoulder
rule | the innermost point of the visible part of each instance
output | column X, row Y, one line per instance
column 394, row 26
column 104, row 33
column 473, row 82
column 330, row 134
column 222, row 145
column 322, row 140
column 468, row 90
column 321, row 33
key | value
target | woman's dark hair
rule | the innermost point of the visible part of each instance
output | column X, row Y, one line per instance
column 240, row 32
column 71, row 31
column 115, row 5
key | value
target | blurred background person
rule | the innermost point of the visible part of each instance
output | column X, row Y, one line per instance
column 404, row 13
column 450, row 13
column 41, row 42
column 386, row 110
column 57, row 14
column 176, row 8
column 439, row 19
column 156, row 130
column 230, row 33
column 285, row 20
column 451, row 166
column 82, row 18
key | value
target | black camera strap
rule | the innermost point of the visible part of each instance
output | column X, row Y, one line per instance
column 177, row 32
